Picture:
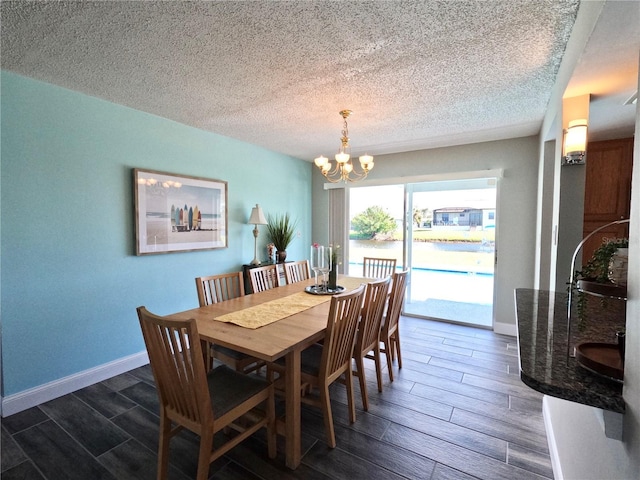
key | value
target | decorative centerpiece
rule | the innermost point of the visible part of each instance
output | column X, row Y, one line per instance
column 324, row 260
column 281, row 230
column 603, row 275
column 333, row 273
column 619, row 266
column 602, row 279
column 320, row 263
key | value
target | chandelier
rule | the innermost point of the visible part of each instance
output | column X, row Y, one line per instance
column 344, row 170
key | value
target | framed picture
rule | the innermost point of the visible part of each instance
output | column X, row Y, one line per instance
column 177, row 213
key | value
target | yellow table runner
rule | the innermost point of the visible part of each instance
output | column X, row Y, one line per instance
column 274, row 310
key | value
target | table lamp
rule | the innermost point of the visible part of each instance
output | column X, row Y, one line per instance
column 256, row 218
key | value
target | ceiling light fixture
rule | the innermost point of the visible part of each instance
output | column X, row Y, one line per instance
column 575, row 143
column 343, row 170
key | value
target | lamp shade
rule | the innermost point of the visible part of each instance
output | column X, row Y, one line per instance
column 257, row 217
column 575, row 139
column 321, row 161
column 342, row 157
column 366, row 161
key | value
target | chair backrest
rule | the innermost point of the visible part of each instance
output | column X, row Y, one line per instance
column 396, row 300
column 264, row 278
column 340, row 335
column 378, row 267
column 297, row 271
column 176, row 360
column 375, row 299
column 218, row 288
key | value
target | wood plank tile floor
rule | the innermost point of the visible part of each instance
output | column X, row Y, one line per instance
column 456, row 410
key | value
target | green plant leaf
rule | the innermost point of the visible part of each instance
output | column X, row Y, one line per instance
column 281, row 230
column 597, row 268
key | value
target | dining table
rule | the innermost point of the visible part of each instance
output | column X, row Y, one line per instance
column 272, row 324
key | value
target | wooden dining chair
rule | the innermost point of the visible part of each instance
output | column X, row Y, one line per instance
column 378, row 267
column 200, row 402
column 321, row 365
column 218, row 288
column 264, row 278
column 390, row 332
column 368, row 336
column 297, row 271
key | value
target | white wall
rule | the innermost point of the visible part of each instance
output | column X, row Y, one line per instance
column 570, row 221
column 582, row 451
column 631, row 390
column 578, row 445
column 545, row 250
column 516, row 205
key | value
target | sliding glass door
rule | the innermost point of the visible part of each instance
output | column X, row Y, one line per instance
column 444, row 232
column 452, row 250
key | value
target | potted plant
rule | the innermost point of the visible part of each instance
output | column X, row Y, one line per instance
column 595, row 277
column 597, row 268
column 281, row 230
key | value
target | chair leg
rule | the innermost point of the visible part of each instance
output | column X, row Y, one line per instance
column 163, row 447
column 392, row 348
column 204, row 457
column 396, row 342
column 376, row 359
column 363, row 384
column 325, row 403
column 271, row 426
column 387, row 351
column 350, row 396
column 207, row 353
column 271, row 374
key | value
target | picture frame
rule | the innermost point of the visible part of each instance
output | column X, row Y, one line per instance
column 178, row 213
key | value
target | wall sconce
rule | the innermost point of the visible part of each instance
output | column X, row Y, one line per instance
column 256, row 218
column 574, row 147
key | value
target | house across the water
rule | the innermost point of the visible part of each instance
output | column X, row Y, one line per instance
column 460, row 218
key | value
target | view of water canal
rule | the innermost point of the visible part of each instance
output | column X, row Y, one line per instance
column 449, row 280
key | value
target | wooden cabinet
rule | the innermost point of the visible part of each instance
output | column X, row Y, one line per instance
column 607, row 190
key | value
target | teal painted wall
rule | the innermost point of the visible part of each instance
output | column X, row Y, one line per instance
column 70, row 280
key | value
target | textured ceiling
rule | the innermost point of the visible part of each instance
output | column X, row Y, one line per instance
column 417, row 74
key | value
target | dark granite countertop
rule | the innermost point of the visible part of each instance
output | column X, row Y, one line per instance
column 545, row 363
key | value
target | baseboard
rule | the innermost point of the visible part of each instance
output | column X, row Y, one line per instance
column 551, row 439
column 505, row 329
column 35, row 396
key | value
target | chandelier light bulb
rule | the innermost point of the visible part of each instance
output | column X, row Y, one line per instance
column 342, row 157
column 321, row 161
column 366, row 161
